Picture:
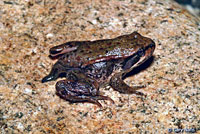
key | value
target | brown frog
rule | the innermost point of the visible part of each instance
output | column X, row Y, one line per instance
column 87, row 65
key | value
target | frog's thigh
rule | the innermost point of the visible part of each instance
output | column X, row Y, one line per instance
column 117, row 83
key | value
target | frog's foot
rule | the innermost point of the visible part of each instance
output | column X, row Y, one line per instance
column 83, row 98
column 63, row 48
column 75, row 91
column 91, row 99
column 56, row 70
column 117, row 83
column 101, row 97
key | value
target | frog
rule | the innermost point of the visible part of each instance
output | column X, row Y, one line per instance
column 88, row 65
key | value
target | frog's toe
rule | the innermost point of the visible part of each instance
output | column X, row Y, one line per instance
column 94, row 102
column 47, row 78
column 139, row 93
column 95, row 99
column 101, row 97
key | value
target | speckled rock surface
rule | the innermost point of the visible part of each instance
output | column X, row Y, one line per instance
column 29, row 28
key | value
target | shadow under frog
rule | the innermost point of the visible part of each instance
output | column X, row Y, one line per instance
column 87, row 65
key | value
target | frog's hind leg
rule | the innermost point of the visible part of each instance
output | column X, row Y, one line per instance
column 79, row 91
column 88, row 84
column 117, row 83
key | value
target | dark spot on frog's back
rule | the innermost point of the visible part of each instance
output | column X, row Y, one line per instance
column 82, row 51
column 89, row 52
column 78, row 58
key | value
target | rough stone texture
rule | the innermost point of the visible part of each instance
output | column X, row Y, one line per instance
column 29, row 28
column 192, row 6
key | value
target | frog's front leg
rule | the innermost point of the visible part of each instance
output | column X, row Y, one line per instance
column 117, row 83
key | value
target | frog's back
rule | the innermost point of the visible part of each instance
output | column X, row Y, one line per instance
column 102, row 50
column 90, row 52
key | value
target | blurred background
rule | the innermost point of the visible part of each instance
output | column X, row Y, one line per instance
column 192, row 6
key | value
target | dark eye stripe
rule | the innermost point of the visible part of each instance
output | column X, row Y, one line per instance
column 140, row 52
column 152, row 45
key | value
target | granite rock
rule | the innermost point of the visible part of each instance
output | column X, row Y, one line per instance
column 29, row 28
